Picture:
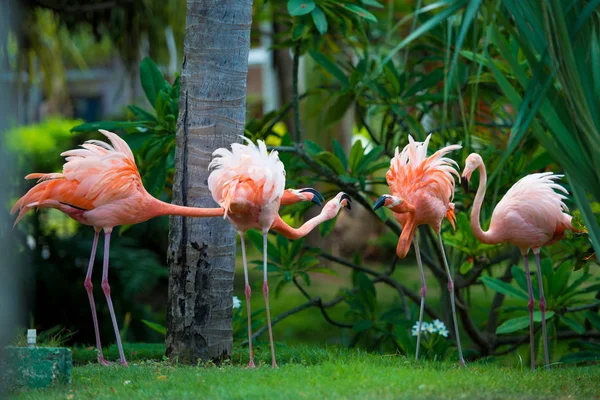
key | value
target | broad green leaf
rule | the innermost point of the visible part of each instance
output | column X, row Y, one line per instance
column 324, row 270
column 156, row 176
column 331, row 161
column 519, row 277
column 312, row 147
column 356, row 154
column 503, row 287
column 110, row 125
column 336, row 111
column 300, row 7
column 593, row 318
column 515, row 324
column 362, row 325
column 320, row 20
column 155, row 327
column 141, row 114
column 299, row 30
column 359, row 11
column 571, row 323
column 367, row 291
column 581, row 356
column 330, row 67
column 340, row 154
column 372, row 3
column 152, row 79
column 465, row 267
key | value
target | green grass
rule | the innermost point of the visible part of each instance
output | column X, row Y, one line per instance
column 313, row 372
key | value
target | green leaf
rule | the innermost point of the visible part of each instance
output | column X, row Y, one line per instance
column 361, row 12
column 515, row 324
column 366, row 291
column 581, row 356
column 503, row 287
column 331, row 161
column 152, row 79
column 372, row 3
column 467, row 19
column 299, row 30
column 155, row 327
column 593, row 318
column 340, row 154
column 300, row 7
column 571, row 323
column 336, row 111
column 356, row 154
column 155, row 178
column 324, row 270
column 330, row 67
column 312, row 147
column 362, row 325
column 320, row 20
column 466, row 267
column 141, row 114
column 110, row 125
column 519, row 276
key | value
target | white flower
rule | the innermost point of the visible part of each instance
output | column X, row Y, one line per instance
column 30, row 242
column 443, row 331
column 439, row 325
column 127, row 382
column 430, row 328
column 425, row 327
column 237, row 303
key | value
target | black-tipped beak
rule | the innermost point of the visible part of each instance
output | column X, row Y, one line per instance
column 317, row 197
column 380, row 202
column 465, row 184
column 348, row 201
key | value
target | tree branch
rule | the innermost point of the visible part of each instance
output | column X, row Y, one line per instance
column 319, row 303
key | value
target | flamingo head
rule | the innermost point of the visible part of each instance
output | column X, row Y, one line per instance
column 472, row 162
column 308, row 194
column 388, row 201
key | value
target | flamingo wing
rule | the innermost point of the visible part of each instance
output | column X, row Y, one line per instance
column 247, row 173
column 411, row 171
column 96, row 174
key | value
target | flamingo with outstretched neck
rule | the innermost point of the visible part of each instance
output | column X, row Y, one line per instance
column 100, row 186
column 248, row 182
column 421, row 188
column 530, row 215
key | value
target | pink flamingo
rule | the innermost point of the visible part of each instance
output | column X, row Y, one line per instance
column 248, row 182
column 530, row 215
column 421, row 189
column 100, row 186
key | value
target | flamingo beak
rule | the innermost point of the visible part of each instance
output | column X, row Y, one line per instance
column 465, row 183
column 348, row 201
column 317, row 198
column 380, row 202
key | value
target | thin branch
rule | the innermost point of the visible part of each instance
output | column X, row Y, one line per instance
column 385, row 279
column 319, row 303
column 368, row 128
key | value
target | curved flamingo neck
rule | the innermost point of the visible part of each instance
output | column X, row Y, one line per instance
column 482, row 236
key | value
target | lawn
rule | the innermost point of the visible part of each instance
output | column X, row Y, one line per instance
column 316, row 372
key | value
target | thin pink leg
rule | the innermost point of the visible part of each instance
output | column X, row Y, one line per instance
column 423, row 292
column 248, row 292
column 89, row 289
column 542, row 307
column 530, row 305
column 266, row 294
column 106, row 290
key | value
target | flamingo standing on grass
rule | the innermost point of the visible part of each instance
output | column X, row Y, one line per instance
column 100, row 186
column 421, row 188
column 530, row 216
column 248, row 182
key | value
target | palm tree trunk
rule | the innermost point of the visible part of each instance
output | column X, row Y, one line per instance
column 212, row 114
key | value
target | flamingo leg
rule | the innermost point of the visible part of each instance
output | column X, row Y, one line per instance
column 452, row 301
column 542, row 306
column 266, row 295
column 248, row 292
column 423, row 291
column 530, row 305
column 106, row 290
column 89, row 289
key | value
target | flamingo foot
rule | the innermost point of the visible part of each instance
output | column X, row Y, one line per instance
column 102, row 361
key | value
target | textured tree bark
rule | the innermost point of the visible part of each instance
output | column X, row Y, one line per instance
column 212, row 114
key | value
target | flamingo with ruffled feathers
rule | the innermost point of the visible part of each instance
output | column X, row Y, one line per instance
column 530, row 215
column 248, row 182
column 421, row 190
column 100, row 186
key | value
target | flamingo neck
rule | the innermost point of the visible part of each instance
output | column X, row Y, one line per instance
column 161, row 208
column 480, row 234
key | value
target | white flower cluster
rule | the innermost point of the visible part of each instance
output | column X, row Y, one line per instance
column 436, row 326
column 237, row 303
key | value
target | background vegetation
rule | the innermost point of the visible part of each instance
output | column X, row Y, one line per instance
column 517, row 82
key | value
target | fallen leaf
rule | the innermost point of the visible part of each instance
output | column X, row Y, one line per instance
column 162, row 377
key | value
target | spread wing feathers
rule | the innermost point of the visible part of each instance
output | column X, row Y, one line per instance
column 93, row 175
column 411, row 170
column 245, row 166
column 538, row 198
